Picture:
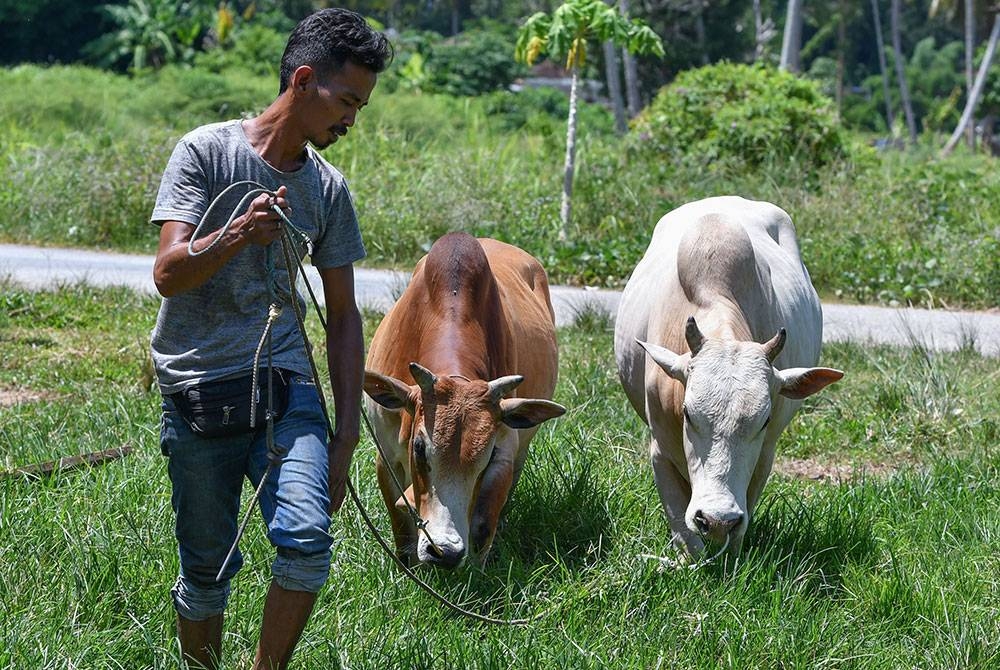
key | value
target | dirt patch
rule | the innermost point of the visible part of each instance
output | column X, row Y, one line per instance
column 833, row 472
column 14, row 397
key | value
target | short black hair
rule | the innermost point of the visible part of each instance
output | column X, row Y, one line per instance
column 330, row 37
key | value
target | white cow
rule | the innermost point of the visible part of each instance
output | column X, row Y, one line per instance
column 720, row 276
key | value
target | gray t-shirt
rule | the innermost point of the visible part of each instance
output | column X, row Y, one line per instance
column 212, row 332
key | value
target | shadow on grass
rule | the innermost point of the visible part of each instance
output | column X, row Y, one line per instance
column 813, row 540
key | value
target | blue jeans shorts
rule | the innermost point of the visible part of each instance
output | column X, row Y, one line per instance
column 207, row 480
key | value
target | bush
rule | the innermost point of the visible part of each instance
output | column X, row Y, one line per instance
column 744, row 115
column 475, row 62
column 544, row 111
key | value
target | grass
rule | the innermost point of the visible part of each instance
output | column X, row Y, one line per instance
column 82, row 153
column 891, row 569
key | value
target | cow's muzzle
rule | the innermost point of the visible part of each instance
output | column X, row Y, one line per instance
column 717, row 527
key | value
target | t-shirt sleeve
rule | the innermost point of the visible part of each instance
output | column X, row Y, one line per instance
column 183, row 194
column 340, row 242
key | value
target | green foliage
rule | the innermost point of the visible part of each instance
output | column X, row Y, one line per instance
column 937, row 90
column 744, row 115
column 151, row 33
column 82, row 151
column 254, row 47
column 474, row 62
column 565, row 33
column 543, row 110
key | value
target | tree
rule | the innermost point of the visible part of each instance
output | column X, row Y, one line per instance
column 950, row 7
column 904, row 91
column 631, row 73
column 565, row 35
column 889, row 118
column 977, row 87
column 791, row 42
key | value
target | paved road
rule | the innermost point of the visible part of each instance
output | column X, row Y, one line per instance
column 36, row 267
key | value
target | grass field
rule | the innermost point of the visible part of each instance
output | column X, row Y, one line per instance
column 884, row 556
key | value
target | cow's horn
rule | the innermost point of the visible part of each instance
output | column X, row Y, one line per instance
column 501, row 386
column 693, row 336
column 774, row 346
column 425, row 378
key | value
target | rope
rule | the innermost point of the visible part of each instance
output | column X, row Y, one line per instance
column 701, row 563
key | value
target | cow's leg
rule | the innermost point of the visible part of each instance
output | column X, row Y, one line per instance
column 493, row 490
column 675, row 494
column 404, row 532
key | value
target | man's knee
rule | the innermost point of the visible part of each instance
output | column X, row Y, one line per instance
column 196, row 601
column 295, row 571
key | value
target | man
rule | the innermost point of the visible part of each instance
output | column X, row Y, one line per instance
column 212, row 319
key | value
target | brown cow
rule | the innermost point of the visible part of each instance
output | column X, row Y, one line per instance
column 475, row 314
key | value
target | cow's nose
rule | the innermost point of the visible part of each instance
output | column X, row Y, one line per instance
column 447, row 557
column 716, row 527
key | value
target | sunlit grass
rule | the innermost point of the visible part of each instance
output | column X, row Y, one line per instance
column 891, row 569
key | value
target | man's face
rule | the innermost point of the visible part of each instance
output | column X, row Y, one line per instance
column 335, row 105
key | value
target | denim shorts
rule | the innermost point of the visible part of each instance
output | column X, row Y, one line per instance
column 207, row 479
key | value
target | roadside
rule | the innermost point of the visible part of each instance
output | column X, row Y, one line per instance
column 38, row 267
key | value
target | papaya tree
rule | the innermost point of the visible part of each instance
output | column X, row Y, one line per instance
column 564, row 35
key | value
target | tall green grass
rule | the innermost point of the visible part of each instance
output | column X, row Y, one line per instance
column 888, row 570
column 82, row 152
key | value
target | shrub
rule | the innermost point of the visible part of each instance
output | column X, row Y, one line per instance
column 747, row 115
column 475, row 62
column 544, row 110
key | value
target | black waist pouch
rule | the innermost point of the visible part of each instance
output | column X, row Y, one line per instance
column 222, row 408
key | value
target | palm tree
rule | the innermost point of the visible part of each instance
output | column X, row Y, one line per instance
column 565, row 34
column 904, row 90
column 950, row 7
column 977, row 87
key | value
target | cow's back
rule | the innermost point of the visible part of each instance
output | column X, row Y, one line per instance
column 521, row 316
column 524, row 289
column 706, row 249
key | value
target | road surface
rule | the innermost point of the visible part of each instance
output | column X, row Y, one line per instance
column 37, row 267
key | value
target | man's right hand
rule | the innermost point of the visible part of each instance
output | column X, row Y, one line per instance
column 260, row 224
column 176, row 270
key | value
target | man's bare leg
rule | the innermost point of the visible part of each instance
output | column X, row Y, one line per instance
column 285, row 616
column 201, row 642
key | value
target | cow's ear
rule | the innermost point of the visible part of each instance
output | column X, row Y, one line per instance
column 674, row 365
column 799, row 383
column 527, row 413
column 388, row 392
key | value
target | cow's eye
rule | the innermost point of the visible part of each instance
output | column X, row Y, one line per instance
column 766, row 421
column 687, row 417
column 420, row 448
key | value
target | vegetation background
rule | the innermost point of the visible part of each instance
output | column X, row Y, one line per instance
column 876, row 543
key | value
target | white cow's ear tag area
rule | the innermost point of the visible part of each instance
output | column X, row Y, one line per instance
column 674, row 365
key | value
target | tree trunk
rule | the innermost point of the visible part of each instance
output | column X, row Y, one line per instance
column 977, row 88
column 841, row 54
column 631, row 73
column 699, row 31
column 883, row 68
column 615, row 86
column 565, row 210
column 970, row 55
column 791, row 43
column 904, row 91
